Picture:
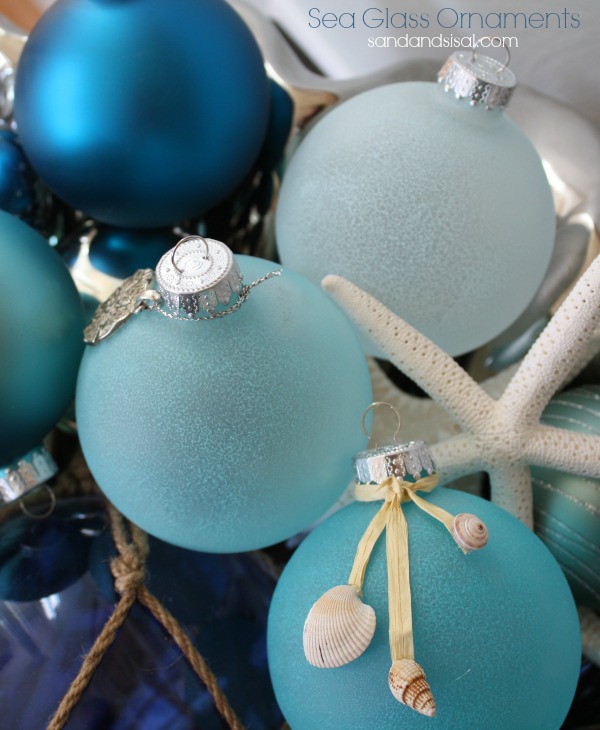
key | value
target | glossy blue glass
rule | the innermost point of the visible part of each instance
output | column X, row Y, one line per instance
column 56, row 592
column 41, row 341
column 230, row 434
column 17, row 179
column 120, row 252
column 142, row 113
column 495, row 631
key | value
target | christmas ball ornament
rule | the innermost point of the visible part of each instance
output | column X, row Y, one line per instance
column 17, row 181
column 41, row 325
column 438, row 207
column 487, row 639
column 228, row 423
column 55, row 580
column 141, row 114
column 567, row 506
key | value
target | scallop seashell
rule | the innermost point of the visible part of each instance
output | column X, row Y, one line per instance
column 469, row 532
column 409, row 686
column 338, row 628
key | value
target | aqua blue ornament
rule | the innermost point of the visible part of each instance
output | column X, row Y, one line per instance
column 231, row 433
column 41, row 341
column 141, row 113
column 56, row 593
column 496, row 630
column 567, row 506
column 17, row 181
column 438, row 208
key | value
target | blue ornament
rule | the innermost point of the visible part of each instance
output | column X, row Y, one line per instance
column 141, row 113
column 567, row 506
column 41, row 338
column 57, row 593
column 17, row 181
column 119, row 252
column 496, row 631
column 229, row 434
column 439, row 209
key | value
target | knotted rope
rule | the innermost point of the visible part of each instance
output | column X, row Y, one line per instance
column 129, row 571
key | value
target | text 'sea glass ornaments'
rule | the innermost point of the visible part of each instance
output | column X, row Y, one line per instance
column 220, row 433
column 488, row 639
column 56, row 593
column 41, row 321
column 567, row 506
column 141, row 113
column 438, row 207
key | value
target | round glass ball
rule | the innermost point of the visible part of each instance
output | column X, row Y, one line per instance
column 229, row 434
column 440, row 210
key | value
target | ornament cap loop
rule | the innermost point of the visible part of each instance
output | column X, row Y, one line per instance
column 478, row 78
column 396, row 460
column 198, row 275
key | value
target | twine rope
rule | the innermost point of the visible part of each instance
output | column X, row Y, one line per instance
column 129, row 571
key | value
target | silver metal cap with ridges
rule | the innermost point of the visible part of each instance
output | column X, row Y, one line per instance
column 198, row 275
column 25, row 474
column 397, row 460
column 478, row 78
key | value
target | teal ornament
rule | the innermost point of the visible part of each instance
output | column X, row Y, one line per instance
column 439, row 209
column 141, row 113
column 229, row 434
column 119, row 252
column 41, row 325
column 567, row 506
column 496, row 630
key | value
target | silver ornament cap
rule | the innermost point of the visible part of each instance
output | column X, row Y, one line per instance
column 478, row 78
column 396, row 460
column 198, row 275
column 26, row 474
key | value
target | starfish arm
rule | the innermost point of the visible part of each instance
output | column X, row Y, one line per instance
column 570, row 451
column 456, row 457
column 556, row 352
column 511, row 490
column 414, row 354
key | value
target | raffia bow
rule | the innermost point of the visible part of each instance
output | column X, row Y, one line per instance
column 340, row 627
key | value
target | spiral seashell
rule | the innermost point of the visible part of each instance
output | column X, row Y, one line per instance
column 469, row 532
column 408, row 685
column 338, row 628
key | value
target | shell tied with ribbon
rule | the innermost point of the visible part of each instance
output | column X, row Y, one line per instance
column 340, row 626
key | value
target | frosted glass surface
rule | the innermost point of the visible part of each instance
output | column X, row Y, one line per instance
column 231, row 434
column 495, row 631
column 440, row 210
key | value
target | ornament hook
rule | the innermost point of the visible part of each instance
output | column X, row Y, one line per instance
column 502, row 45
column 372, row 407
column 206, row 256
column 40, row 515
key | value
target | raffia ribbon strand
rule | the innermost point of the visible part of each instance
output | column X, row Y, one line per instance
column 128, row 569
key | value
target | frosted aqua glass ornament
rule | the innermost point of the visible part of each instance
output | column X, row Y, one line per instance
column 41, row 325
column 231, row 433
column 438, row 208
column 567, row 506
column 496, row 630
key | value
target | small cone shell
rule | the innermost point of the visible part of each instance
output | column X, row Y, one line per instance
column 469, row 532
column 338, row 628
column 408, row 685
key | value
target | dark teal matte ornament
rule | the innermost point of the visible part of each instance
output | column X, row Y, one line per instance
column 142, row 113
column 41, row 340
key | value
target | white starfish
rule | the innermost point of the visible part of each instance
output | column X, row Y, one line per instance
column 504, row 436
